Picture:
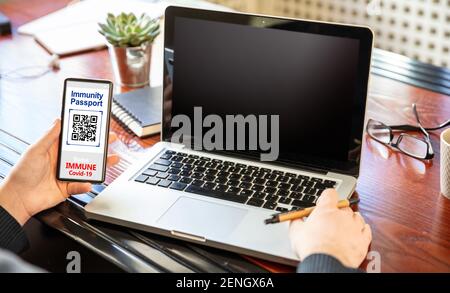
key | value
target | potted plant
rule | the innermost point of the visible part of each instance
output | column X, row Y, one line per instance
column 130, row 41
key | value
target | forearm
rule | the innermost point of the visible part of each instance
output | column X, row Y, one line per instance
column 323, row 263
column 11, row 202
column 12, row 236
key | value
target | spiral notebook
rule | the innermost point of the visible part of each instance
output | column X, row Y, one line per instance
column 139, row 110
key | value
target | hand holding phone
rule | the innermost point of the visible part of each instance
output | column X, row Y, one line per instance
column 85, row 117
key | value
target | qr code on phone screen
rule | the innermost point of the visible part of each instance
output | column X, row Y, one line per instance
column 83, row 127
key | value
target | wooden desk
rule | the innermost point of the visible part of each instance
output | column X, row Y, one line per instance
column 399, row 196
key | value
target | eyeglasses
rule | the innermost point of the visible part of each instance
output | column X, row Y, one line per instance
column 413, row 146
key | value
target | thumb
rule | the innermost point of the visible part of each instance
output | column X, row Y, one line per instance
column 295, row 226
column 329, row 198
column 46, row 141
column 78, row 188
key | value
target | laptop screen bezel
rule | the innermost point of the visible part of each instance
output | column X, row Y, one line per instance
column 363, row 34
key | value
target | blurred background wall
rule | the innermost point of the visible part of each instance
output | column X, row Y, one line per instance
column 419, row 29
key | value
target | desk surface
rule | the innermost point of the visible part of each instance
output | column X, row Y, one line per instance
column 393, row 188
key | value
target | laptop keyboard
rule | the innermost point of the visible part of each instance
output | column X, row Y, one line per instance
column 241, row 183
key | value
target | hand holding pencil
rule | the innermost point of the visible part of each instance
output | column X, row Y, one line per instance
column 300, row 214
column 327, row 230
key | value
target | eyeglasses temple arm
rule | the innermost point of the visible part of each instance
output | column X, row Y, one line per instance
column 407, row 127
column 427, row 135
column 445, row 124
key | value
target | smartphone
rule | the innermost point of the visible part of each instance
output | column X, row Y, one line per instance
column 83, row 143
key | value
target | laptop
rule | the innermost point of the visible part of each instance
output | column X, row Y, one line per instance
column 308, row 79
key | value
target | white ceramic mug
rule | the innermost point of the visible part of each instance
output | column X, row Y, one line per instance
column 445, row 163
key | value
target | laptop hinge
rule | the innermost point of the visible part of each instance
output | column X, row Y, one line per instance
column 302, row 167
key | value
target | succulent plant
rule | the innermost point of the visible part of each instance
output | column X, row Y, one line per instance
column 127, row 30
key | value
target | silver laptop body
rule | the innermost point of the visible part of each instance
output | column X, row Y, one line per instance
column 236, row 226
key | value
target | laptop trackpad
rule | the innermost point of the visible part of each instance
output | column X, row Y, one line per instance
column 201, row 218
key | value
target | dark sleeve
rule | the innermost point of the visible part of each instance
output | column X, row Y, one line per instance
column 12, row 236
column 323, row 263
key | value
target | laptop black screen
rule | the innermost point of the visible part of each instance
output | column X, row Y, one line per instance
column 312, row 77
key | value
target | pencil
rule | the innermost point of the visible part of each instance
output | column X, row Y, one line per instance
column 298, row 214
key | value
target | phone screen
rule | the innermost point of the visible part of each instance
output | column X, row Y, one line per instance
column 85, row 127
